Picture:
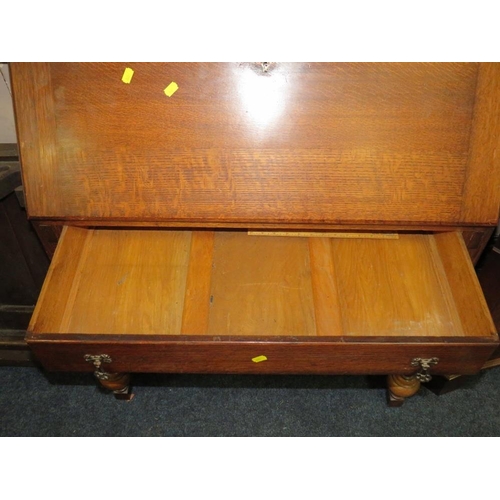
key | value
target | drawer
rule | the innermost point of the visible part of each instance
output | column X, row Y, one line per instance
column 263, row 356
column 222, row 301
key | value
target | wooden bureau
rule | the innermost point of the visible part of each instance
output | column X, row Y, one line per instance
column 261, row 217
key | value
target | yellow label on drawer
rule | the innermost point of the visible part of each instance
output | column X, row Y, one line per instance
column 258, row 359
column 127, row 75
column 173, row 87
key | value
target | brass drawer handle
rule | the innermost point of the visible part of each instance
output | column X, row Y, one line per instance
column 425, row 364
column 97, row 360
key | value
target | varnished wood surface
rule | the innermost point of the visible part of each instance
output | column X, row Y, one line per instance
column 481, row 198
column 464, row 285
column 120, row 281
column 197, row 301
column 306, row 144
column 328, row 234
column 261, row 285
column 400, row 387
column 299, row 356
column 391, row 287
column 227, row 283
column 327, row 307
column 37, row 137
column 475, row 238
column 405, row 226
column 53, row 300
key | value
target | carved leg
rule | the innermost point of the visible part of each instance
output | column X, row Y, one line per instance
column 400, row 387
column 119, row 383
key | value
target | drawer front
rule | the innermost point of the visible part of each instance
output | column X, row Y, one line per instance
column 265, row 357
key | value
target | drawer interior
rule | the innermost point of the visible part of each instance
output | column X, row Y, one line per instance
column 230, row 283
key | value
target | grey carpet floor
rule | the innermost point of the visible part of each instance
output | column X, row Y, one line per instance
column 33, row 403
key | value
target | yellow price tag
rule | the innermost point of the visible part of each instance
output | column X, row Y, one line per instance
column 259, row 359
column 172, row 87
column 127, row 75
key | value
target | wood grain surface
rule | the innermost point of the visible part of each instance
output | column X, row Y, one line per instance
column 131, row 281
column 261, row 285
column 198, row 284
column 37, row 137
column 481, row 198
column 316, row 143
column 299, row 356
column 464, row 284
column 327, row 307
column 393, row 287
column 227, row 283
column 53, row 300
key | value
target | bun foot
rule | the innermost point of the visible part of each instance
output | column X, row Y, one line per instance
column 118, row 383
column 400, row 387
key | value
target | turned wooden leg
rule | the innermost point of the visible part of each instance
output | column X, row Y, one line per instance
column 400, row 387
column 119, row 383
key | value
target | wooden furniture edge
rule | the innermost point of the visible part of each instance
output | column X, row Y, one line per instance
column 69, row 338
column 481, row 200
column 208, row 224
column 35, row 126
column 265, row 357
column 466, row 267
column 54, row 266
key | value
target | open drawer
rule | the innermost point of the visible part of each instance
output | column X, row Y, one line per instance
column 402, row 147
column 229, row 302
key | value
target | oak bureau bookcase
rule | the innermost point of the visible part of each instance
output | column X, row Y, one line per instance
column 291, row 218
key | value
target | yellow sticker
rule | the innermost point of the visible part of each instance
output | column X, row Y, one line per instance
column 173, row 87
column 127, row 75
column 258, row 359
